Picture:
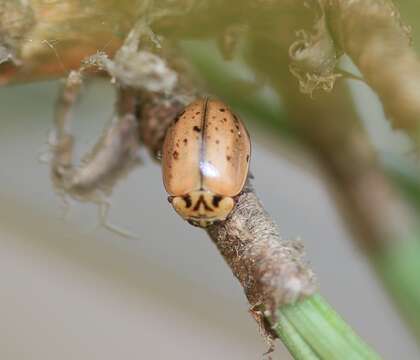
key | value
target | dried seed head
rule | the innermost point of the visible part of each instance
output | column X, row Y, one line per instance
column 314, row 58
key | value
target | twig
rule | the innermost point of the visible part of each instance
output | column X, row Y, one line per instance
column 273, row 273
column 271, row 270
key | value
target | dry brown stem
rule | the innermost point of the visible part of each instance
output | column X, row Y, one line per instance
column 271, row 270
column 156, row 114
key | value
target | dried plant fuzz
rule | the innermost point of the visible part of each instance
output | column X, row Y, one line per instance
column 372, row 34
column 137, row 68
column 113, row 156
column 313, row 58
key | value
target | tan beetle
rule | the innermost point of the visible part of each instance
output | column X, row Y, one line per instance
column 205, row 161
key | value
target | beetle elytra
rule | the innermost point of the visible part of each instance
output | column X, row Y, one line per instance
column 205, row 161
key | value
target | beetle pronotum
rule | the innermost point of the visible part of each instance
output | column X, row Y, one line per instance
column 205, row 161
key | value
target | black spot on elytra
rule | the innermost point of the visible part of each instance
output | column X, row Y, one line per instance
column 216, row 128
column 222, row 110
column 237, row 126
column 197, row 113
column 175, row 154
column 187, row 199
column 196, row 128
column 179, row 116
column 216, row 200
column 217, row 142
column 228, row 158
column 224, row 119
column 185, row 141
column 247, row 158
column 232, row 131
column 234, row 116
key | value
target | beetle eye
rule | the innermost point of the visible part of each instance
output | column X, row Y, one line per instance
column 170, row 198
column 216, row 200
column 188, row 201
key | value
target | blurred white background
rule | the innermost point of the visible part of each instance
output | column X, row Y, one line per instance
column 69, row 290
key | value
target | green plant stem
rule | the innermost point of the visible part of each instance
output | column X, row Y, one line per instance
column 294, row 342
column 311, row 329
column 406, row 177
column 399, row 268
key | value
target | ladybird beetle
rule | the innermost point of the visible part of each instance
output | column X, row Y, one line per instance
column 205, row 161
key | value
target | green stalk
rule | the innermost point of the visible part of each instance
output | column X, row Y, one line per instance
column 294, row 342
column 399, row 265
column 399, row 268
column 311, row 329
column 406, row 177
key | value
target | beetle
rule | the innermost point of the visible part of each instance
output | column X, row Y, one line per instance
column 205, row 161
